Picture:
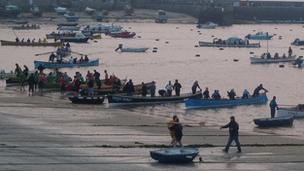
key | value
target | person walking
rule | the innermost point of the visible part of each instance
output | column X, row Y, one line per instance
column 273, row 106
column 233, row 134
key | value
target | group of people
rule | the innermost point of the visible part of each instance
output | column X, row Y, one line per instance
column 30, row 41
column 276, row 55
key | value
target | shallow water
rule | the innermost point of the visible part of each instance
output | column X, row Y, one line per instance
column 176, row 59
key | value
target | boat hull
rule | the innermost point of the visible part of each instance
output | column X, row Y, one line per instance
column 12, row 43
column 284, row 112
column 258, row 60
column 124, row 99
column 174, row 155
column 87, row 100
column 274, row 122
column 211, row 44
column 134, row 50
column 211, row 103
column 65, row 65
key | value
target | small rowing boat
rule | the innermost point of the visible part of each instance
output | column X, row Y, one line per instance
column 233, row 42
column 264, row 60
column 274, row 122
column 296, row 112
column 87, row 99
column 212, row 103
column 137, row 99
column 122, row 34
column 65, row 64
column 14, row 43
column 174, row 155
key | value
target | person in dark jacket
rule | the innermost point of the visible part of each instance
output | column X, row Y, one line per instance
column 273, row 106
column 129, row 88
column 195, row 86
column 257, row 90
column 153, row 89
column 178, row 132
column 206, row 94
column 31, row 82
column 177, row 86
column 233, row 134
column 144, row 90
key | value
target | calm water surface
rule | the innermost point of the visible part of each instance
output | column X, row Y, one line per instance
column 176, row 59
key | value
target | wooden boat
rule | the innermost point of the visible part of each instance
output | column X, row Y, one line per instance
column 212, row 103
column 27, row 27
column 259, row 36
column 298, row 42
column 122, row 34
column 208, row 25
column 135, row 50
column 259, row 60
column 231, row 42
column 174, row 155
column 137, row 99
column 87, row 100
column 296, row 112
column 14, row 43
column 65, row 65
column 274, row 122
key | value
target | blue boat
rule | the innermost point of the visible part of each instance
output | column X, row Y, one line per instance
column 174, row 155
column 298, row 42
column 212, row 103
column 52, row 65
column 274, row 122
column 259, row 36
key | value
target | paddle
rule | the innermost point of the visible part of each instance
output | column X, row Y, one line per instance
column 45, row 53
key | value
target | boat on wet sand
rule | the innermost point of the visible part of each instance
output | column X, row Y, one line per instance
column 296, row 111
column 14, row 43
column 174, row 155
column 274, row 122
column 138, row 99
column 212, row 103
column 87, row 99
column 45, row 64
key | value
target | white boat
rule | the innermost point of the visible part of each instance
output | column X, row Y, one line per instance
column 61, row 10
column 264, row 60
column 102, row 28
column 208, row 25
column 296, row 112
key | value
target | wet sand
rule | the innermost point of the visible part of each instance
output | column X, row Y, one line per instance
column 50, row 133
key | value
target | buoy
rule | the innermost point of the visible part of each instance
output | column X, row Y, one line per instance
column 251, row 53
column 274, row 34
column 154, row 51
column 290, row 29
column 276, row 28
column 155, row 48
column 212, row 36
column 200, row 33
column 167, row 42
column 156, row 39
column 281, row 66
column 200, row 159
column 130, row 27
column 196, row 46
column 235, row 60
column 197, row 55
column 301, row 48
column 253, row 30
column 95, row 41
column 221, row 48
column 177, row 27
column 191, row 29
column 138, row 36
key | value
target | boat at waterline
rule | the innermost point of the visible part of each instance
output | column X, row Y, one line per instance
column 212, row 103
column 296, row 112
column 137, row 99
column 259, row 36
column 274, row 122
column 174, row 155
column 259, row 60
column 87, row 99
column 233, row 42
column 65, row 65
column 14, row 43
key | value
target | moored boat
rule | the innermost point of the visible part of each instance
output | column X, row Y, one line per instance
column 136, row 99
column 208, row 25
column 102, row 28
column 298, row 42
column 174, row 155
column 136, row 50
column 65, row 64
column 212, row 103
column 259, row 36
column 274, row 122
column 77, row 38
column 231, row 42
column 122, row 34
column 26, row 27
column 296, row 112
column 87, row 99
column 14, row 43
column 67, row 24
column 71, row 17
column 264, row 60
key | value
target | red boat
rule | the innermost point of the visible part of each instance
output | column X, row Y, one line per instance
column 123, row 34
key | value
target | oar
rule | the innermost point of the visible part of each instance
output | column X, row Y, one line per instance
column 38, row 54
